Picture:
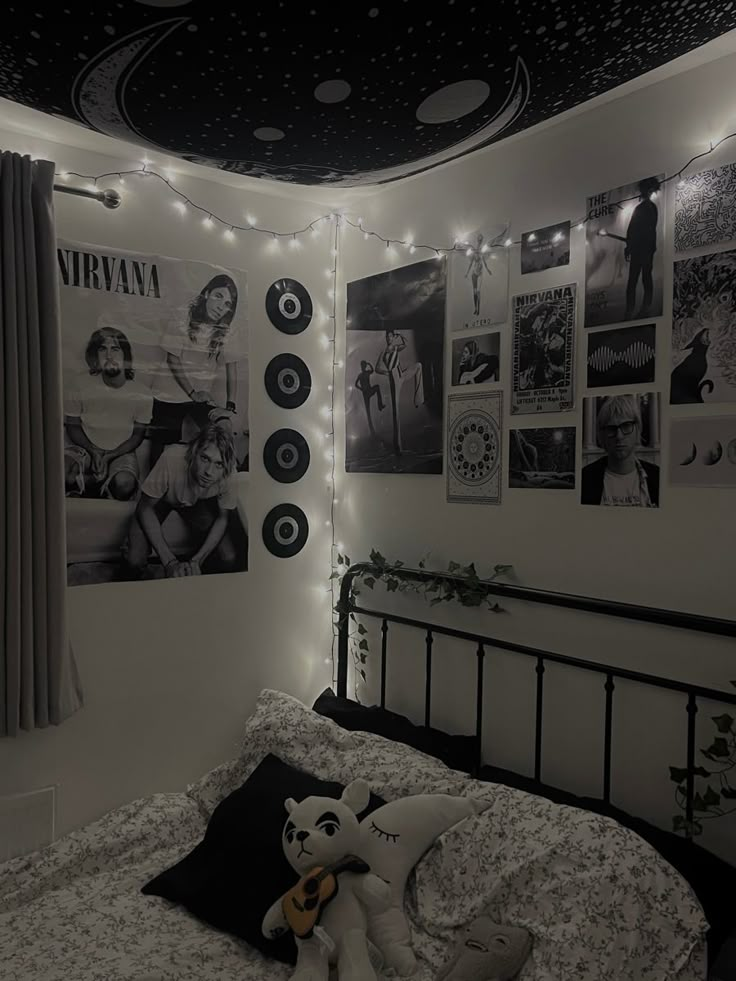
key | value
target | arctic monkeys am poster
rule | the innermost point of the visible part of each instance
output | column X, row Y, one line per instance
column 394, row 370
column 155, row 374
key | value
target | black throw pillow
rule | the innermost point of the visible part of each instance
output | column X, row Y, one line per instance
column 457, row 752
column 231, row 878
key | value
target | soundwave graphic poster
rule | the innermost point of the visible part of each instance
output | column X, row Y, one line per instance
column 394, row 373
column 623, row 253
column 543, row 346
column 705, row 208
column 623, row 356
column 155, row 375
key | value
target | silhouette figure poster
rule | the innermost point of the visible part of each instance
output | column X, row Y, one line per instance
column 479, row 280
column 623, row 253
column 394, row 373
column 704, row 330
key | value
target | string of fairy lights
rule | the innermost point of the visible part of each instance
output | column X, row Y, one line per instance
column 184, row 204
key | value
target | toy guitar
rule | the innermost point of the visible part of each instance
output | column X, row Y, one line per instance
column 604, row 234
column 303, row 904
column 482, row 373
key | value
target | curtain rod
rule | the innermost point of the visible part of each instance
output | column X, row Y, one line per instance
column 109, row 198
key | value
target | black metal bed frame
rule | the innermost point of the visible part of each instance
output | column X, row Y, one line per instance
column 671, row 618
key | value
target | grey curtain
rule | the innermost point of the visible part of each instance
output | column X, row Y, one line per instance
column 39, row 682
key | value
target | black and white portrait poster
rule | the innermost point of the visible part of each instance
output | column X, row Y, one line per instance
column 704, row 330
column 545, row 248
column 543, row 329
column 479, row 280
column 622, row 356
column 623, row 253
column 394, row 370
column 621, row 446
column 705, row 209
column 474, row 444
column 475, row 359
column 155, row 362
column 542, row 458
column 703, row 452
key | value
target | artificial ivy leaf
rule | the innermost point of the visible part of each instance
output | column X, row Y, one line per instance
column 392, row 585
column 678, row 774
column 470, row 572
column 699, row 804
column 711, row 798
column 369, row 581
column 435, row 600
column 728, row 793
column 495, row 608
column 363, row 645
column 377, row 558
column 680, row 823
column 453, row 567
column 340, row 559
column 501, row 570
column 361, row 672
column 719, row 748
column 348, row 560
column 361, row 629
column 334, row 575
column 723, row 722
column 421, row 563
column 363, row 657
column 398, row 564
column 353, row 617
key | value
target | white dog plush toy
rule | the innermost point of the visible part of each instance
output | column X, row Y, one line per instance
column 322, row 835
column 339, row 911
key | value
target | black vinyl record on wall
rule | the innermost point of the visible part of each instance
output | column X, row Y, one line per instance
column 288, row 381
column 285, row 530
column 289, row 306
column 286, row 456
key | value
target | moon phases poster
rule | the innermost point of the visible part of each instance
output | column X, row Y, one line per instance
column 155, row 381
column 394, row 373
column 704, row 330
column 474, row 445
column 703, row 452
column 623, row 253
column 479, row 280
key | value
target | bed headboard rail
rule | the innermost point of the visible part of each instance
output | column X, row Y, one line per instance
column 671, row 618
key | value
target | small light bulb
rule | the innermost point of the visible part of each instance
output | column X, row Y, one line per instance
column 508, row 243
column 580, row 226
column 330, row 293
column 329, row 388
column 340, row 547
column 180, row 206
column 338, row 364
column 229, row 233
column 64, row 175
column 360, row 221
column 252, row 220
column 327, row 523
column 121, row 179
column 207, row 222
column 328, row 476
column 439, row 254
column 294, row 243
column 531, row 237
column 485, row 248
column 169, row 175
column 412, row 249
column 681, row 182
column 333, row 252
column 328, row 273
column 365, row 235
column 469, row 252
column 328, row 456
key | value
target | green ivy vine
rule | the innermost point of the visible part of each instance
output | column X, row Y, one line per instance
column 711, row 800
column 465, row 587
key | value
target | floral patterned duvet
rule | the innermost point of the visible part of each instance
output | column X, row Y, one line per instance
column 599, row 902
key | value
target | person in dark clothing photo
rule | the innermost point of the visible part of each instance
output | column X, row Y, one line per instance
column 620, row 479
column 641, row 244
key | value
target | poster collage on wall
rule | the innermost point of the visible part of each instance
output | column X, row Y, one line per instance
column 395, row 403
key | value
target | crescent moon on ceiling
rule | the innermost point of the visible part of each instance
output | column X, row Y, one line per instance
column 98, row 97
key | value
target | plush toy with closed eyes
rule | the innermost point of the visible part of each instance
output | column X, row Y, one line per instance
column 347, row 909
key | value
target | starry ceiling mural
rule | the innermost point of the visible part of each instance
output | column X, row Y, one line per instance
column 340, row 94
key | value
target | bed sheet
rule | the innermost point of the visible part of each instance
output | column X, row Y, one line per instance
column 600, row 903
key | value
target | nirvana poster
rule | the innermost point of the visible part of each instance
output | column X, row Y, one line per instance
column 704, row 330
column 479, row 283
column 623, row 253
column 543, row 343
column 705, row 209
column 155, row 364
column 394, row 370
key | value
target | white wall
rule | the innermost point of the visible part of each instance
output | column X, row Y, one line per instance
column 172, row 668
column 681, row 556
